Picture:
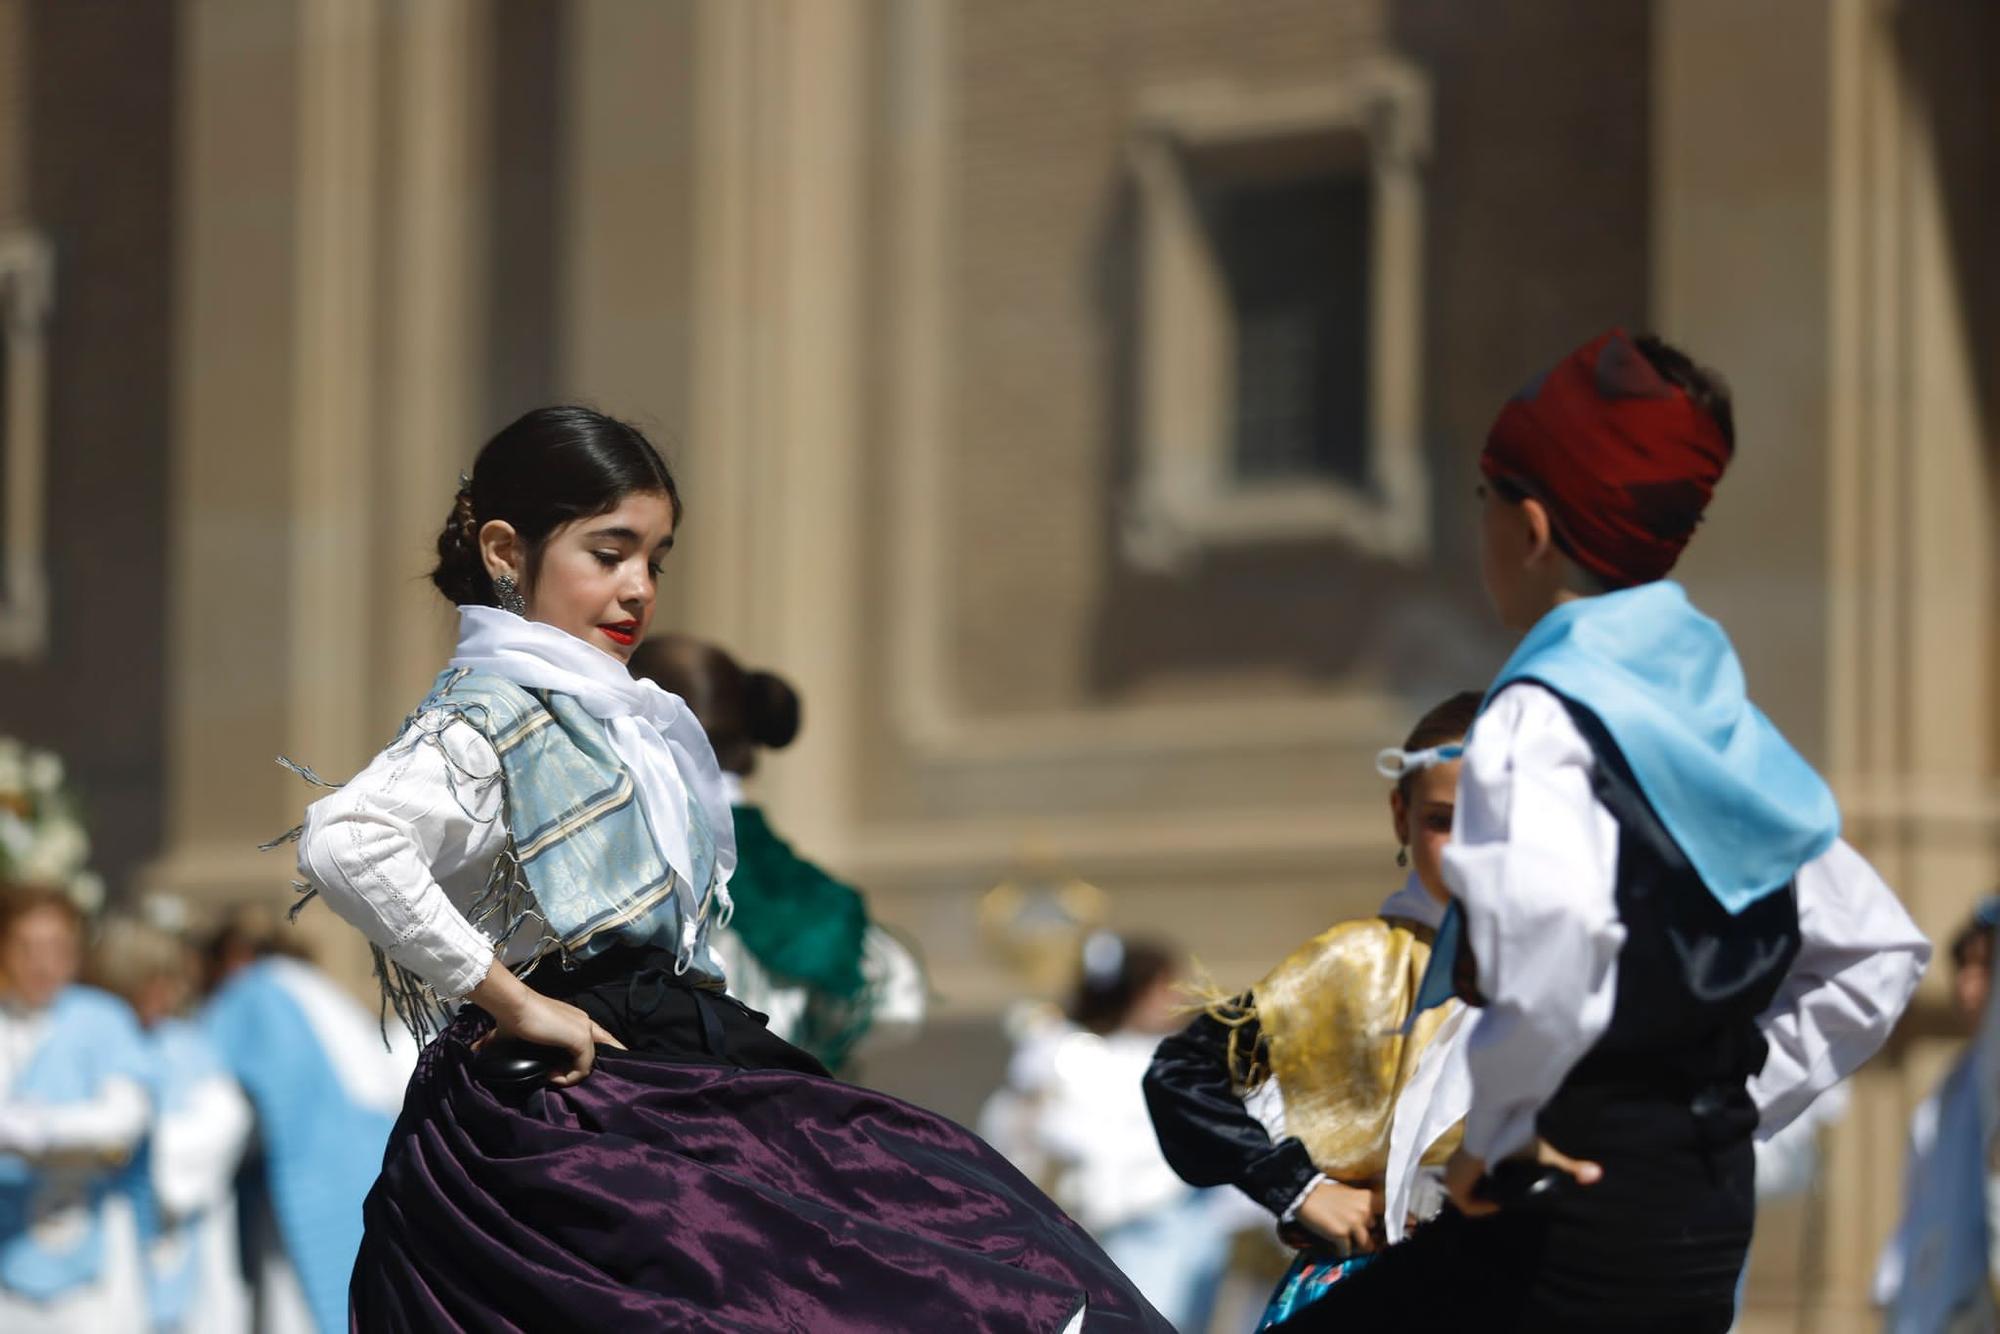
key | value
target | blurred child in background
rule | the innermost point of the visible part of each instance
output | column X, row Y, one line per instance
column 74, row 1108
column 187, row 1201
column 1073, row 1115
column 800, row 947
column 1934, row 1272
column 325, row 1080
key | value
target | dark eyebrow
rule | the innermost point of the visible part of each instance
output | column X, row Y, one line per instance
column 617, row 534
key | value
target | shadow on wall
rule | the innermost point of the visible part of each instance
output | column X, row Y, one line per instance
column 1950, row 53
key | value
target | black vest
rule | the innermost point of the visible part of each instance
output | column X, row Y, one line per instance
column 1692, row 979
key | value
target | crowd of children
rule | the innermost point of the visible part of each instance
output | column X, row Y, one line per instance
column 185, row 1136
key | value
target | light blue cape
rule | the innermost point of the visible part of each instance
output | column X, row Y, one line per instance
column 1741, row 804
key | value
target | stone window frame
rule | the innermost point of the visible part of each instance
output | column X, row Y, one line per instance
column 27, row 294
column 1184, row 497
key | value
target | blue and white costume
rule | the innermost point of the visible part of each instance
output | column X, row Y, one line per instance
column 325, row 1094
column 74, row 1106
column 188, row 1215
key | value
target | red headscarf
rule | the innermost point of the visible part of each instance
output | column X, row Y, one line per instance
column 1624, row 460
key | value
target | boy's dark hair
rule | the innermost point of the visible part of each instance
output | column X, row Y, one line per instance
column 1976, row 935
column 1706, row 387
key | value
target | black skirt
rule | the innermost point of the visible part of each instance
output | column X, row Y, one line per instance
column 636, row 996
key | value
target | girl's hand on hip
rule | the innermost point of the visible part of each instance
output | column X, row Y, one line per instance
column 519, row 1011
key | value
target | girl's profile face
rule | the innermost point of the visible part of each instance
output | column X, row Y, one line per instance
column 598, row 576
column 1423, row 821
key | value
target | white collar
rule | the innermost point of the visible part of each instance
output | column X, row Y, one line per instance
column 1414, row 903
column 538, row 655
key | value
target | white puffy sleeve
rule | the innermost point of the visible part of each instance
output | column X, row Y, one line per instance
column 1859, row 959
column 1533, row 862
column 428, row 807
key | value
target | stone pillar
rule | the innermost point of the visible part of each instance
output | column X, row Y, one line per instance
column 328, row 180
column 626, row 200
column 774, row 461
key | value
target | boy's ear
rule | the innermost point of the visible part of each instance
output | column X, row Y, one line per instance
column 1541, row 532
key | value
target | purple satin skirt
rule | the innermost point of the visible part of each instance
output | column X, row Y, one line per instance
column 662, row 1195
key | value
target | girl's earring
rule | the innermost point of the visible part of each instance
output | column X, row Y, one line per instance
column 509, row 594
column 1402, row 856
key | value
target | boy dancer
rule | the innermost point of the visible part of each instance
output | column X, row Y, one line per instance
column 1674, row 948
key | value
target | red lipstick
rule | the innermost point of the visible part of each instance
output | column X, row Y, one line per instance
column 623, row 632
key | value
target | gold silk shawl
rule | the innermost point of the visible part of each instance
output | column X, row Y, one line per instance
column 1331, row 1016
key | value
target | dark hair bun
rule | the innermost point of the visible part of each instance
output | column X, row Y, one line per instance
column 770, row 710
column 461, row 573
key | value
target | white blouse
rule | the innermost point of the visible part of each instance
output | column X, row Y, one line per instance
column 406, row 846
column 1534, row 858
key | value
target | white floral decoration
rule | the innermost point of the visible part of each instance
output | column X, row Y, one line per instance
column 42, row 838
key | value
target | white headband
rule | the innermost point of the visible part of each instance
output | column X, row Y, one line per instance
column 1396, row 763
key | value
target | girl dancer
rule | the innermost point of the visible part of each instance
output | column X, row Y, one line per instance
column 550, row 840
column 800, row 947
column 1324, row 1055
column 1675, row 949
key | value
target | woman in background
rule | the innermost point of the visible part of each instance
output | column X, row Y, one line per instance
column 74, row 1108
column 187, row 1201
column 1934, row 1272
column 800, row 946
column 325, row 1081
column 1088, row 1122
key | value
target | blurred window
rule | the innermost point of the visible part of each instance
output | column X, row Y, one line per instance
column 1294, row 255
column 1279, row 317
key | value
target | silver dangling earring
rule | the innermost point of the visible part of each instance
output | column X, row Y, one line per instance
column 509, row 593
column 1402, row 856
